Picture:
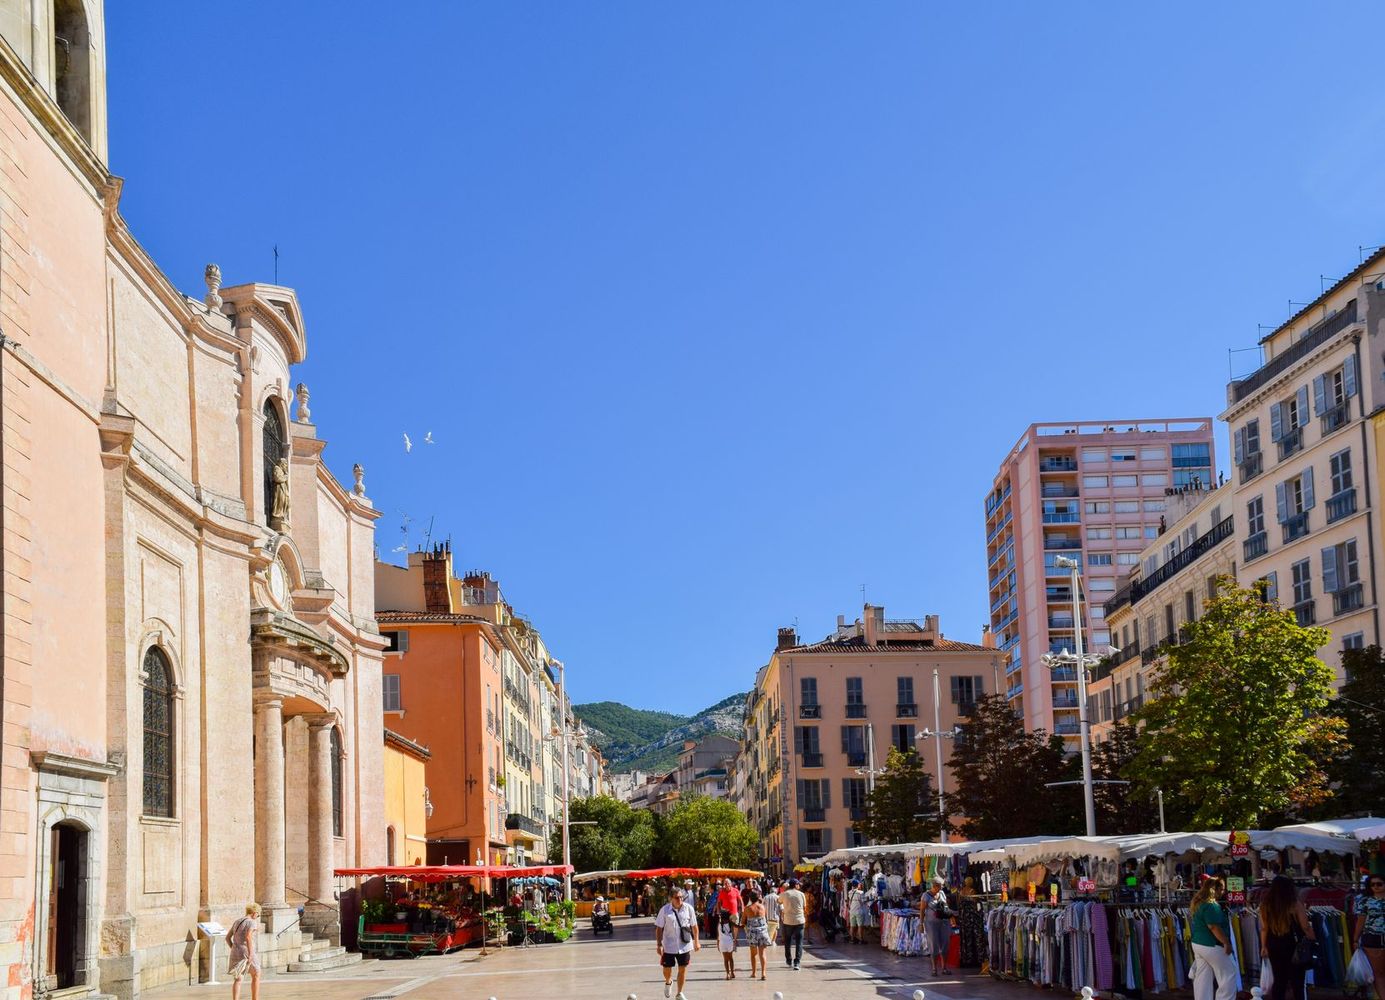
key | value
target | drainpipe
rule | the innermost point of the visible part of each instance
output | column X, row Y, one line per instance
column 1366, row 482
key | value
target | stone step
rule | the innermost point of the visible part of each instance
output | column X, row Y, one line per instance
column 338, row 958
column 315, row 948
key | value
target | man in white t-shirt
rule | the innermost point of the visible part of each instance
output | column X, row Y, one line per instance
column 675, row 936
column 772, row 913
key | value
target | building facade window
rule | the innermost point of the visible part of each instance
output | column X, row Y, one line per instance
column 902, row 737
column 808, row 691
column 338, row 823
column 1098, row 506
column 904, row 691
column 1124, row 480
column 389, row 685
column 1286, row 422
column 158, row 734
column 1341, row 576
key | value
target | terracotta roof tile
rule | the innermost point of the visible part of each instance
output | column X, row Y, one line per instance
column 857, row 644
column 424, row 617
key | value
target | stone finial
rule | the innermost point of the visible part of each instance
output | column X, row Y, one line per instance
column 305, row 415
column 212, row 276
column 358, row 470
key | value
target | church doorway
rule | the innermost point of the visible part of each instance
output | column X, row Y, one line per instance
column 66, row 936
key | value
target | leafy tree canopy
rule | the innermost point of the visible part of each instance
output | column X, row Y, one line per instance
column 620, row 837
column 902, row 808
column 1359, row 774
column 702, row 832
column 1000, row 772
column 1120, row 808
column 1236, row 728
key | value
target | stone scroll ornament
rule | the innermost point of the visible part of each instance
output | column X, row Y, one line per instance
column 280, row 512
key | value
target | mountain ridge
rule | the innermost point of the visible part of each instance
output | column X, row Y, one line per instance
column 645, row 740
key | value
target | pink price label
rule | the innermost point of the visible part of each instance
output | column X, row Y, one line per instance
column 1085, row 885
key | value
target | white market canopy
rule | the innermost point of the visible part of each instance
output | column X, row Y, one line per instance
column 1359, row 829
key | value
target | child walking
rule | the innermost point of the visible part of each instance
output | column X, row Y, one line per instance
column 726, row 944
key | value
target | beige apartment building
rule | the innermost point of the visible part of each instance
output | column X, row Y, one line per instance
column 1177, row 572
column 820, row 712
column 1304, row 456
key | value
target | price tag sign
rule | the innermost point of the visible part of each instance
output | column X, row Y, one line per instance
column 1240, row 850
column 1240, row 843
column 1085, row 885
column 1235, row 889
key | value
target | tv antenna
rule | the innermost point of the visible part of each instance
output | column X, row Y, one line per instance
column 428, row 535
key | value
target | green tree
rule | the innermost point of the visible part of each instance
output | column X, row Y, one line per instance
column 999, row 773
column 1235, row 730
column 702, row 832
column 895, row 806
column 1121, row 808
column 620, row 837
column 1358, row 775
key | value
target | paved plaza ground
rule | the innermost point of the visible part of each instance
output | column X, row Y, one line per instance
column 586, row 968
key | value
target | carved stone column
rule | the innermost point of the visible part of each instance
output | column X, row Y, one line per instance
column 269, row 806
column 321, row 913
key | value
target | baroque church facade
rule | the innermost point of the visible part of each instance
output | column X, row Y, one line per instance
column 190, row 704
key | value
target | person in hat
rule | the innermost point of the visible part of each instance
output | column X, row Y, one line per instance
column 793, row 906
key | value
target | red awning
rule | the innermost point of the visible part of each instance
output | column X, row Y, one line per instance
column 443, row 873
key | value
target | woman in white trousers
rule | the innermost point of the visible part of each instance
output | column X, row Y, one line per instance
column 1215, row 974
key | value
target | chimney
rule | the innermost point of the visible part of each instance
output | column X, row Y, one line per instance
column 437, row 570
column 930, row 625
column 875, row 624
column 788, row 637
column 987, row 637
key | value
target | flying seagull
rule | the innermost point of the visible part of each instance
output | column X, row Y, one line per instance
column 408, row 445
column 428, row 438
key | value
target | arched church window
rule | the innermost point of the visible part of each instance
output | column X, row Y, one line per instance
column 158, row 734
column 336, row 783
column 274, row 450
column 72, row 63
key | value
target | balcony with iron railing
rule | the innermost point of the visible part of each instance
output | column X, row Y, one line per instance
column 906, row 711
column 814, row 814
column 1057, row 463
column 1296, row 526
column 519, row 821
column 1065, row 728
column 1065, row 699
column 1255, row 546
column 1335, row 417
column 1291, row 442
column 1341, row 505
column 1059, row 491
column 1203, row 544
column 1253, row 465
column 1117, row 600
column 1015, row 690
column 810, row 759
column 810, row 711
column 1347, row 599
column 855, row 710
column 856, row 758
column 1314, row 338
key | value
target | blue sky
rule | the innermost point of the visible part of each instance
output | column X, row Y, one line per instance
column 718, row 312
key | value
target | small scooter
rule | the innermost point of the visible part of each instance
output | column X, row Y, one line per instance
column 601, row 923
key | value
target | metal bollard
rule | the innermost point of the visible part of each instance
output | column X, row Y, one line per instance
column 918, row 994
column 1088, row 993
column 1256, row 992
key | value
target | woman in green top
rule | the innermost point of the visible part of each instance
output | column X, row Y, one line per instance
column 1214, row 973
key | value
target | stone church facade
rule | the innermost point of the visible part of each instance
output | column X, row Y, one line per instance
column 190, row 705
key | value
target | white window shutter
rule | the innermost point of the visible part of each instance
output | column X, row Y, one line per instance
column 1329, row 569
column 1320, row 394
column 1276, row 422
column 1349, row 375
column 1308, row 488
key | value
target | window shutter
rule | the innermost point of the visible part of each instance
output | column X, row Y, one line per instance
column 1302, row 405
column 1349, row 375
column 1329, row 569
column 846, row 791
column 802, row 842
column 1276, row 422
column 1272, row 586
column 797, row 739
column 977, row 689
column 1320, row 394
column 826, row 794
column 798, row 793
column 845, row 739
column 1240, row 439
column 826, row 843
column 1308, row 488
column 1281, row 502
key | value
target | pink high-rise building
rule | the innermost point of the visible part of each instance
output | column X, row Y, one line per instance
column 1094, row 492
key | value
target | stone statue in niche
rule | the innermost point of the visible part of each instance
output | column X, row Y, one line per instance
column 279, row 513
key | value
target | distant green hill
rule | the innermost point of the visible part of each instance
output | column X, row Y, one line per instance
column 638, row 739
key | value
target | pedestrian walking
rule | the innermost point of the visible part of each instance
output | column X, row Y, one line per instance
column 729, row 902
column 937, row 921
column 857, row 912
column 245, row 956
column 726, row 943
column 794, row 915
column 757, row 936
column 772, row 913
column 1214, row 971
column 1283, row 924
column 675, row 936
column 1370, row 930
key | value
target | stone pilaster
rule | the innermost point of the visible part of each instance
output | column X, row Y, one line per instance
column 269, row 811
column 321, row 915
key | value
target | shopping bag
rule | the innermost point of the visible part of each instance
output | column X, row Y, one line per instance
column 1359, row 971
column 1266, row 976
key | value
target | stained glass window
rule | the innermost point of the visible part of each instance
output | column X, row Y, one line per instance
column 336, row 783
column 273, row 451
column 158, row 734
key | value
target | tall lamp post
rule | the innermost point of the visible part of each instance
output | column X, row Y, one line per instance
column 1079, row 661
column 937, row 735
column 563, row 733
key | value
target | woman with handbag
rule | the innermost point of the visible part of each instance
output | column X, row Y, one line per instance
column 937, row 920
column 244, row 956
column 1286, row 939
column 1370, row 930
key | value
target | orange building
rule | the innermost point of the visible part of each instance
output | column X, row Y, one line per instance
column 466, row 677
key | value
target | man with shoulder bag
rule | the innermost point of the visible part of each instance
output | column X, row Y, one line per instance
column 675, row 937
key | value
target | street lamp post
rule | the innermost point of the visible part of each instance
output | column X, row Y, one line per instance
column 937, row 735
column 563, row 735
column 1079, row 661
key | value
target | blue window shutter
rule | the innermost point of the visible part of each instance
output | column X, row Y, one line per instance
column 1240, row 439
column 797, row 739
column 826, row 794
column 798, row 792
column 1320, row 394
column 1349, row 375
column 802, row 842
column 1281, row 502
column 1276, row 422
column 1302, row 405
column 826, row 844
column 1329, row 569
column 1272, row 586
column 845, row 747
column 1308, row 488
